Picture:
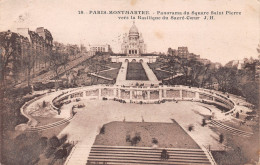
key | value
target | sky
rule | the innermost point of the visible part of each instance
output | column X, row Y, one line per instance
column 227, row 37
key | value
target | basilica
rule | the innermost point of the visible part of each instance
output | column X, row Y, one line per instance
column 133, row 44
column 133, row 48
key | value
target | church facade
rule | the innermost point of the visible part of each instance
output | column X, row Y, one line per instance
column 133, row 44
column 133, row 48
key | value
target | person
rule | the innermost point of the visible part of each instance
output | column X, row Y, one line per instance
column 164, row 155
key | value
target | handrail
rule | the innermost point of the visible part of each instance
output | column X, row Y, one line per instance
column 209, row 155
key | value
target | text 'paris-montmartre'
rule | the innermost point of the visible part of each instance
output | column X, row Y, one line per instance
column 125, row 12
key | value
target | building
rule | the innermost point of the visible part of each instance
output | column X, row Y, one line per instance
column 100, row 48
column 133, row 48
column 204, row 61
column 83, row 49
column 193, row 56
column 31, row 51
column 172, row 52
column 41, row 42
column 133, row 43
column 183, row 52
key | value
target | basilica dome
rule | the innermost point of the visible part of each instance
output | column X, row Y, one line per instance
column 133, row 30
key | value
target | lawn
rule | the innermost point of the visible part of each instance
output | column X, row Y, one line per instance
column 114, row 65
column 110, row 74
column 135, row 71
column 161, row 74
column 168, row 135
column 155, row 65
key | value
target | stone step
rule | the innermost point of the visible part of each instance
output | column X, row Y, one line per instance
column 145, row 155
column 157, row 162
column 146, row 148
column 188, row 157
column 41, row 128
column 149, row 153
column 145, row 151
column 230, row 129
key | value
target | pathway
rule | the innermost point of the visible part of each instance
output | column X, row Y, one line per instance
column 121, row 77
column 50, row 74
column 151, row 76
column 172, row 77
column 103, row 77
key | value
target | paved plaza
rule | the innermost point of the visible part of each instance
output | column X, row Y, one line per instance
column 87, row 122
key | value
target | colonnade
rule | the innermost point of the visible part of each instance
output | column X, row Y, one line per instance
column 148, row 94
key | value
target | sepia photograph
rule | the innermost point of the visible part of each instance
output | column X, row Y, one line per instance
column 129, row 82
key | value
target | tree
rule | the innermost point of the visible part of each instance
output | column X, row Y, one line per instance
column 173, row 66
column 251, row 67
column 226, row 78
column 9, row 45
column 28, row 63
column 58, row 61
column 194, row 72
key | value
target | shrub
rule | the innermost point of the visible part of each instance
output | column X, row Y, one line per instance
column 128, row 138
column 136, row 139
column 63, row 139
column 49, row 152
column 155, row 141
column 54, row 142
column 43, row 142
column 61, row 153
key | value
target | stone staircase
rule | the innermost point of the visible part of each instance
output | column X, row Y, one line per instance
column 79, row 155
column 232, row 130
column 49, row 126
column 128, row 155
